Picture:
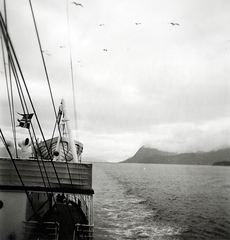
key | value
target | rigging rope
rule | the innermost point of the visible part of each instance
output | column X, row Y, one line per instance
column 20, row 91
column 73, row 93
column 18, row 173
column 9, row 93
column 7, row 86
column 22, row 98
column 72, row 77
column 23, row 80
column 43, row 60
column 47, row 77
column 51, row 97
column 12, row 58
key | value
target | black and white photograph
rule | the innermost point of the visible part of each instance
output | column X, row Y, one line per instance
column 115, row 119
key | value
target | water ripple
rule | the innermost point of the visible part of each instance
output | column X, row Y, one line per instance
column 161, row 202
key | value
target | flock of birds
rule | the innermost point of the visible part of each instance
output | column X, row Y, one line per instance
column 138, row 23
column 101, row 24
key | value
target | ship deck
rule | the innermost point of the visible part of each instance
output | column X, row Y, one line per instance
column 47, row 176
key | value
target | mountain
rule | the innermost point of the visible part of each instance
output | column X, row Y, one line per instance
column 225, row 163
column 151, row 155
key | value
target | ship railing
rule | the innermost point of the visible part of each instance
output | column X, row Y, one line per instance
column 45, row 230
column 83, row 231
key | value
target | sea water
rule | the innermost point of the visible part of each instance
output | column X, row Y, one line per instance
column 156, row 201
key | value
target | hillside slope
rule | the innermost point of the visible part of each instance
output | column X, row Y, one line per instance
column 151, row 155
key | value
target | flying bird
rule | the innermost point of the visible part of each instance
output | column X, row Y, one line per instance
column 173, row 24
column 105, row 49
column 46, row 52
column 102, row 24
column 77, row 4
column 138, row 23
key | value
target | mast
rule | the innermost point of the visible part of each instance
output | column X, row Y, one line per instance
column 66, row 120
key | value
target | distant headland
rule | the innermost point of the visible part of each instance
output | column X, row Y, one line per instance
column 224, row 163
column 151, row 155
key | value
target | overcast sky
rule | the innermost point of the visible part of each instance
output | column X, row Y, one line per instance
column 139, row 80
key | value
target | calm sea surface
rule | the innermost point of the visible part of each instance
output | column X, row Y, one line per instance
column 151, row 201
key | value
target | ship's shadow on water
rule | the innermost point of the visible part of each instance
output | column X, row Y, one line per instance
column 135, row 201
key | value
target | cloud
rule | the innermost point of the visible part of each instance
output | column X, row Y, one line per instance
column 178, row 137
column 190, row 137
column 157, row 84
